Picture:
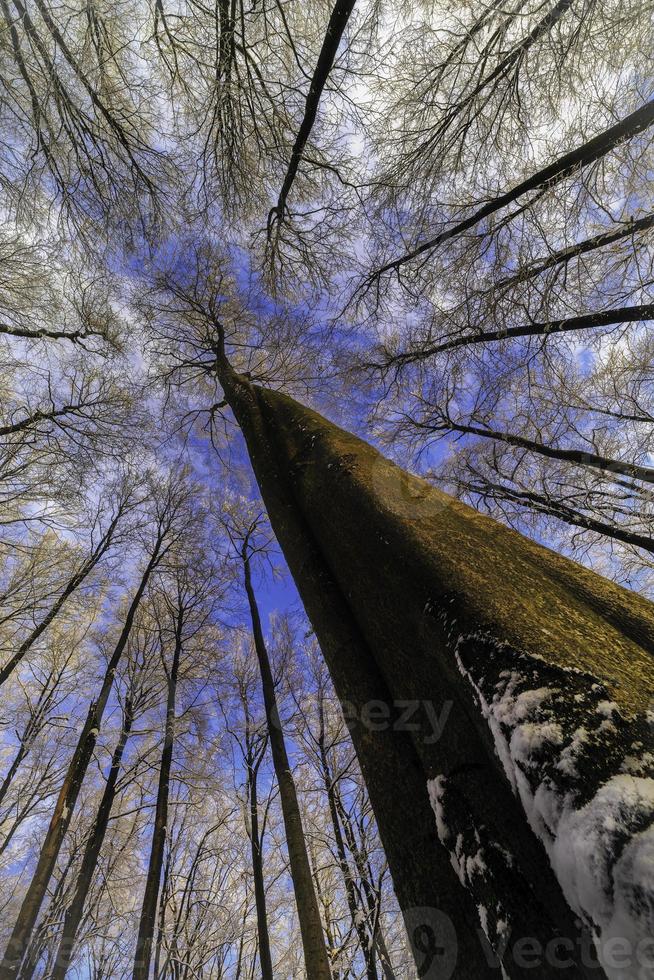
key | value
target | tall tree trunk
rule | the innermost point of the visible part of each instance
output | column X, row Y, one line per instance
column 13, row 768
column 265, row 957
column 73, row 915
column 143, row 953
column 338, row 21
column 587, row 321
column 580, row 457
column 69, row 792
column 422, row 873
column 420, row 603
column 313, row 940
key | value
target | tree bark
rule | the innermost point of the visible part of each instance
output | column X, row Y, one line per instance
column 39, row 943
column 313, row 940
column 143, row 953
column 388, row 759
column 161, row 924
column 417, row 599
column 69, row 793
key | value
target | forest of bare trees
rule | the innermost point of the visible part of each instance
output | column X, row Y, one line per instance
column 326, row 489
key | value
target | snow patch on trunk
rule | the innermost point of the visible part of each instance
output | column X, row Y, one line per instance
column 470, row 859
column 601, row 848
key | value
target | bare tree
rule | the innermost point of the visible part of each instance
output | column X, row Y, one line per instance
column 166, row 519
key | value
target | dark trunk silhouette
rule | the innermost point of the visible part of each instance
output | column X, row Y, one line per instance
column 357, row 914
column 40, row 943
column 161, row 920
column 41, row 333
column 589, row 321
column 581, row 457
column 549, row 176
column 335, row 29
column 31, row 420
column 364, row 875
column 555, row 507
column 628, row 229
column 37, row 718
column 502, row 69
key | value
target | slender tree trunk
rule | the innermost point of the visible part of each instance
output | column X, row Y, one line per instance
column 587, row 321
column 421, row 604
column 338, row 21
column 73, row 915
column 365, row 877
column 143, row 953
column 69, row 793
column 555, row 507
column 313, row 940
column 628, row 229
column 265, row 957
column 241, row 944
column 34, row 419
column 13, row 768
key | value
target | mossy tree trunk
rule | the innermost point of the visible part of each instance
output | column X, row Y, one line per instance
column 424, row 610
